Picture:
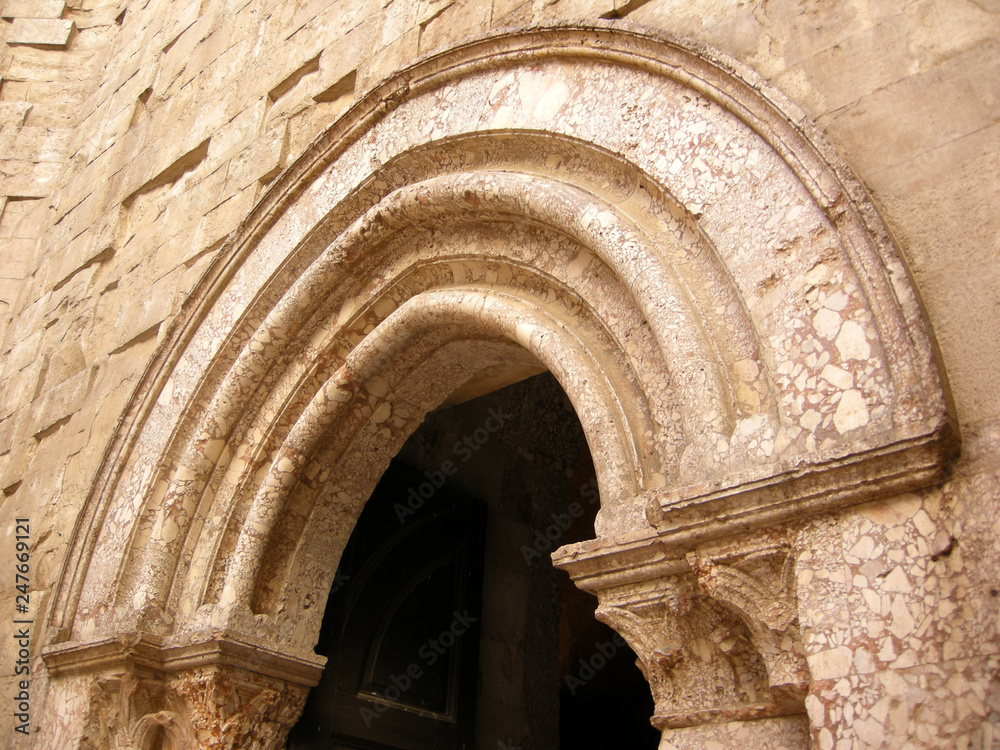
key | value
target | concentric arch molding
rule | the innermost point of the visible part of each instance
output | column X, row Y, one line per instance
column 641, row 216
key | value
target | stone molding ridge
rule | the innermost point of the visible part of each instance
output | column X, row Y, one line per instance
column 151, row 654
column 743, row 501
column 685, row 518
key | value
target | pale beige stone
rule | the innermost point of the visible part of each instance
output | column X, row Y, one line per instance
column 851, row 342
column 827, row 324
column 42, row 32
column 746, row 369
column 838, row 377
column 831, row 663
column 897, row 582
column 870, row 731
column 902, row 623
column 33, row 8
column 863, row 548
column 923, row 523
column 852, row 412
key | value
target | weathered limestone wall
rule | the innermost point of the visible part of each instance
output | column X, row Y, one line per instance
column 134, row 137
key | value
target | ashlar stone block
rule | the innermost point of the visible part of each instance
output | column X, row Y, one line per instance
column 33, row 9
column 40, row 32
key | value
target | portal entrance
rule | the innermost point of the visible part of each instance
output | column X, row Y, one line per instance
column 402, row 624
column 446, row 625
column 640, row 217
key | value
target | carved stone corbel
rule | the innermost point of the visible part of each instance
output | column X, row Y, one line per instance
column 756, row 580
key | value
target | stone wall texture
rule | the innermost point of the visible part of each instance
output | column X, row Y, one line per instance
column 137, row 135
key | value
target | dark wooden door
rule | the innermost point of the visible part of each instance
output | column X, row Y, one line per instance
column 401, row 628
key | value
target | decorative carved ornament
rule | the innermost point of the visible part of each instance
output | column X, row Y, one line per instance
column 715, row 631
column 144, row 695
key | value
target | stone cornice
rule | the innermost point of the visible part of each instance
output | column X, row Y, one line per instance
column 801, row 488
column 694, row 515
column 150, row 654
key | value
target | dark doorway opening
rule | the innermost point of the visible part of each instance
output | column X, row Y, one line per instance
column 461, row 527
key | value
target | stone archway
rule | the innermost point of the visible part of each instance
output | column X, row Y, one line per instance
column 644, row 219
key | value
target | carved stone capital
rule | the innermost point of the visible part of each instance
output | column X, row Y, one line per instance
column 218, row 693
column 228, row 707
column 698, row 657
column 130, row 712
column 715, row 629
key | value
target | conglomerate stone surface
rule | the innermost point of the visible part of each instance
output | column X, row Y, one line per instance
column 732, row 320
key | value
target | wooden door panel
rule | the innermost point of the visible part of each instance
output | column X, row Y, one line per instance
column 401, row 627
